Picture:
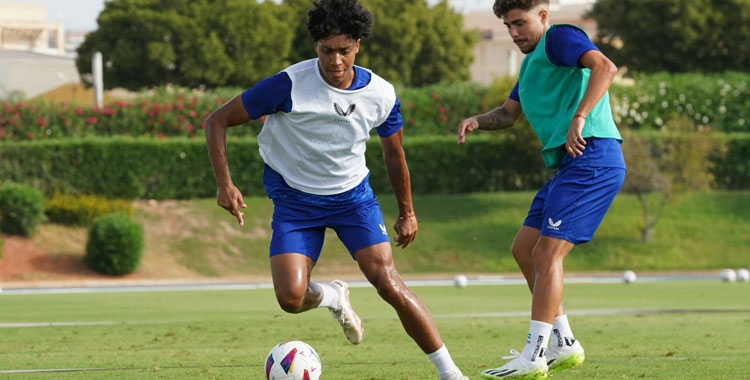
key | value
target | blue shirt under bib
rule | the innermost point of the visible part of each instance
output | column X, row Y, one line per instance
column 272, row 95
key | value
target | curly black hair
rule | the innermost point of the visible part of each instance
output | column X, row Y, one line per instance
column 502, row 7
column 333, row 17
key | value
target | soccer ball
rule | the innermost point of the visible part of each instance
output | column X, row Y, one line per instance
column 293, row 360
column 629, row 276
column 743, row 275
column 460, row 281
column 728, row 275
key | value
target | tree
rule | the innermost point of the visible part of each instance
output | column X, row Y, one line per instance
column 188, row 43
column 302, row 44
column 660, row 169
column 412, row 43
column 675, row 35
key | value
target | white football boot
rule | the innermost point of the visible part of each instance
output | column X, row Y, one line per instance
column 518, row 368
column 348, row 319
column 569, row 355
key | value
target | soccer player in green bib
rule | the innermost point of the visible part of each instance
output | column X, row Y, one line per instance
column 562, row 91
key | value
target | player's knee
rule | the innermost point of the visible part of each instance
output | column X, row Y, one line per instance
column 290, row 302
column 389, row 286
column 544, row 259
column 521, row 254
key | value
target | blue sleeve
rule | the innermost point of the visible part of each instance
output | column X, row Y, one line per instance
column 514, row 93
column 271, row 95
column 393, row 123
column 565, row 45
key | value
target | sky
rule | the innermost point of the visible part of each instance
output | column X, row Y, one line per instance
column 81, row 14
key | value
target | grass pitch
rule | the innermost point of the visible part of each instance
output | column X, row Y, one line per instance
column 660, row 330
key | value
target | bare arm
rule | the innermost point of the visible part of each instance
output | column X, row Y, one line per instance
column 602, row 73
column 398, row 174
column 500, row 118
column 230, row 114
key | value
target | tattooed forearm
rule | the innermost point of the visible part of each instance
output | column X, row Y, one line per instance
column 499, row 118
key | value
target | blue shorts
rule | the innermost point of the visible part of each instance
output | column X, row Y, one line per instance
column 572, row 204
column 300, row 227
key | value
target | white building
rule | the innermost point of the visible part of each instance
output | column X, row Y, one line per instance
column 496, row 55
column 32, row 51
column 24, row 26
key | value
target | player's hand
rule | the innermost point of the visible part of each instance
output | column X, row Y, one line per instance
column 466, row 126
column 574, row 143
column 230, row 199
column 406, row 230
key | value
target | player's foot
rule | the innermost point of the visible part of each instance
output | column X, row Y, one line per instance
column 519, row 368
column 567, row 356
column 348, row 319
column 455, row 375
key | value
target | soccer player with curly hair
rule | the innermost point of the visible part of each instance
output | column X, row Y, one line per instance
column 319, row 114
column 562, row 91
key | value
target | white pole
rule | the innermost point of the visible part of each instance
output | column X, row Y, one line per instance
column 512, row 62
column 96, row 70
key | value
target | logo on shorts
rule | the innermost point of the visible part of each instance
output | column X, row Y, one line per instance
column 553, row 225
column 382, row 228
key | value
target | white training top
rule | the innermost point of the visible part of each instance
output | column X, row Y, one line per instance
column 319, row 147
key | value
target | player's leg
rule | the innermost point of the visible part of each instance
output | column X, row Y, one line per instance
column 523, row 249
column 363, row 232
column 376, row 263
column 291, row 282
column 548, row 257
column 295, row 246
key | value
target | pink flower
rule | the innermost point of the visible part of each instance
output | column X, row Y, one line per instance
column 91, row 120
column 192, row 113
column 40, row 120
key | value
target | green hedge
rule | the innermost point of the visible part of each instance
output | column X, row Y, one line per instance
column 732, row 168
column 179, row 168
column 21, row 209
column 115, row 245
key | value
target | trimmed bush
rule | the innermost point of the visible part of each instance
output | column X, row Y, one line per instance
column 82, row 210
column 180, row 168
column 21, row 209
column 115, row 245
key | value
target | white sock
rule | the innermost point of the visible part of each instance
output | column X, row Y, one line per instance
column 443, row 362
column 536, row 344
column 562, row 335
column 330, row 296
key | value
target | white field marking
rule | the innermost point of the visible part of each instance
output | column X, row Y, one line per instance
column 12, row 371
column 54, row 324
column 472, row 281
column 507, row 314
column 588, row 312
column 16, row 325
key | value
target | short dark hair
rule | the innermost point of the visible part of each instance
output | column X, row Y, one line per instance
column 333, row 17
column 502, row 7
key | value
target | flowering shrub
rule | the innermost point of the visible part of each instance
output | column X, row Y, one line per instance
column 83, row 209
column 163, row 113
column 718, row 101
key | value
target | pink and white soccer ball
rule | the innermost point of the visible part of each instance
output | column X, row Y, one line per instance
column 293, row 360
